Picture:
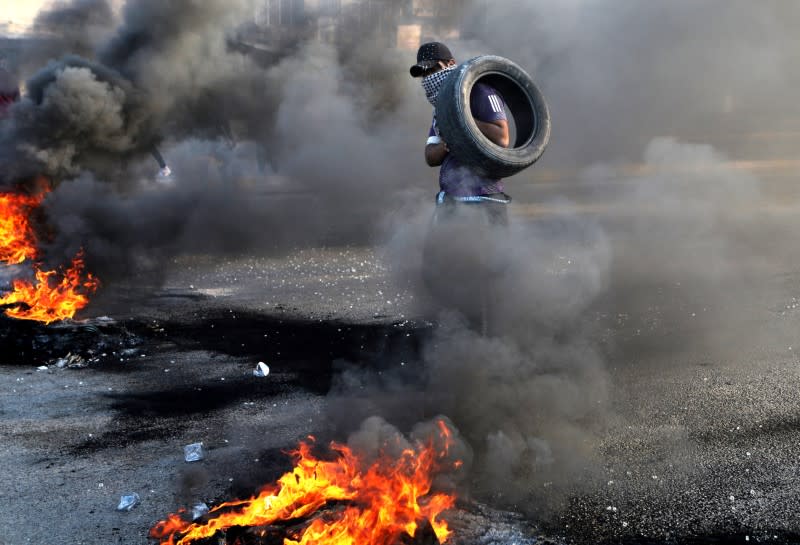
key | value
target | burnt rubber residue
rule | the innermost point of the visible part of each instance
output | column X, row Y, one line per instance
column 247, row 333
column 303, row 355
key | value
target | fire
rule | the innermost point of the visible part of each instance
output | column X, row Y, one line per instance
column 54, row 294
column 17, row 239
column 381, row 500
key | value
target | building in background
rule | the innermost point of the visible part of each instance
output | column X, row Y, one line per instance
column 403, row 24
column 427, row 20
column 280, row 13
column 276, row 24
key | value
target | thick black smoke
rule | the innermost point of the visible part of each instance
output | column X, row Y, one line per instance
column 77, row 116
column 515, row 361
column 651, row 102
column 269, row 151
column 161, row 73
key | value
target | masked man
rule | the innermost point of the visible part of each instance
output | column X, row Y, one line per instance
column 457, row 184
column 462, row 253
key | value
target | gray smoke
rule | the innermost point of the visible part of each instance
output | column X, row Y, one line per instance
column 263, row 145
column 618, row 74
column 527, row 387
column 651, row 103
column 376, row 438
column 163, row 72
column 77, row 116
column 75, row 28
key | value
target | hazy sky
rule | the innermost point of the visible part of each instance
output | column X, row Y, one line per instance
column 21, row 13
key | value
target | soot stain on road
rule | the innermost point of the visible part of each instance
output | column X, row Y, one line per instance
column 294, row 339
column 303, row 355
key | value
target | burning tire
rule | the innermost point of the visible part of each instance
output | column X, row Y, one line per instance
column 528, row 117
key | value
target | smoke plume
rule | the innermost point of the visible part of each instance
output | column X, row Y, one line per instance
column 654, row 106
column 262, row 146
column 74, row 28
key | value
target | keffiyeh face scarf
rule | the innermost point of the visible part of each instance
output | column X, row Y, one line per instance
column 431, row 84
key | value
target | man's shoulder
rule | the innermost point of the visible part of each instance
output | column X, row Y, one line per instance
column 483, row 93
column 483, row 89
column 486, row 103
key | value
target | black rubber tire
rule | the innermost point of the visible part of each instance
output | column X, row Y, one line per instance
column 529, row 117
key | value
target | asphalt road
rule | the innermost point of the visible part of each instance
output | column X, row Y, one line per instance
column 702, row 440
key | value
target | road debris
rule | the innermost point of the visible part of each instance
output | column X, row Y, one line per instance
column 128, row 501
column 193, row 452
column 261, row 370
column 199, row 510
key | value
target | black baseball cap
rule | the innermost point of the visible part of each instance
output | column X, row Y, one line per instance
column 427, row 57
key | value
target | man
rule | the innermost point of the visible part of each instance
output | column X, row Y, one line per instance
column 457, row 184
column 462, row 253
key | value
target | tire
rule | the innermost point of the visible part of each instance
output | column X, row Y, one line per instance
column 528, row 116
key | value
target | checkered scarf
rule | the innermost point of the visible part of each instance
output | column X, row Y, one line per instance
column 431, row 84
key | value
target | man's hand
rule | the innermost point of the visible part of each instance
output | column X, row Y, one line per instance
column 435, row 153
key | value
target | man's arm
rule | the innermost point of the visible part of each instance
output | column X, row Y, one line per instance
column 496, row 131
column 435, row 148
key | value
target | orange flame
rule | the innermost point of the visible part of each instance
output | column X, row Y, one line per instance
column 54, row 295
column 17, row 239
column 384, row 499
column 50, row 299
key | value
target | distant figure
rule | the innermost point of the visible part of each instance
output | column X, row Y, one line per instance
column 9, row 91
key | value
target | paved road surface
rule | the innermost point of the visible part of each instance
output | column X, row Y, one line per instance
column 702, row 439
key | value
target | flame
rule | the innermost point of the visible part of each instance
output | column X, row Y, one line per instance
column 55, row 294
column 17, row 239
column 382, row 500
